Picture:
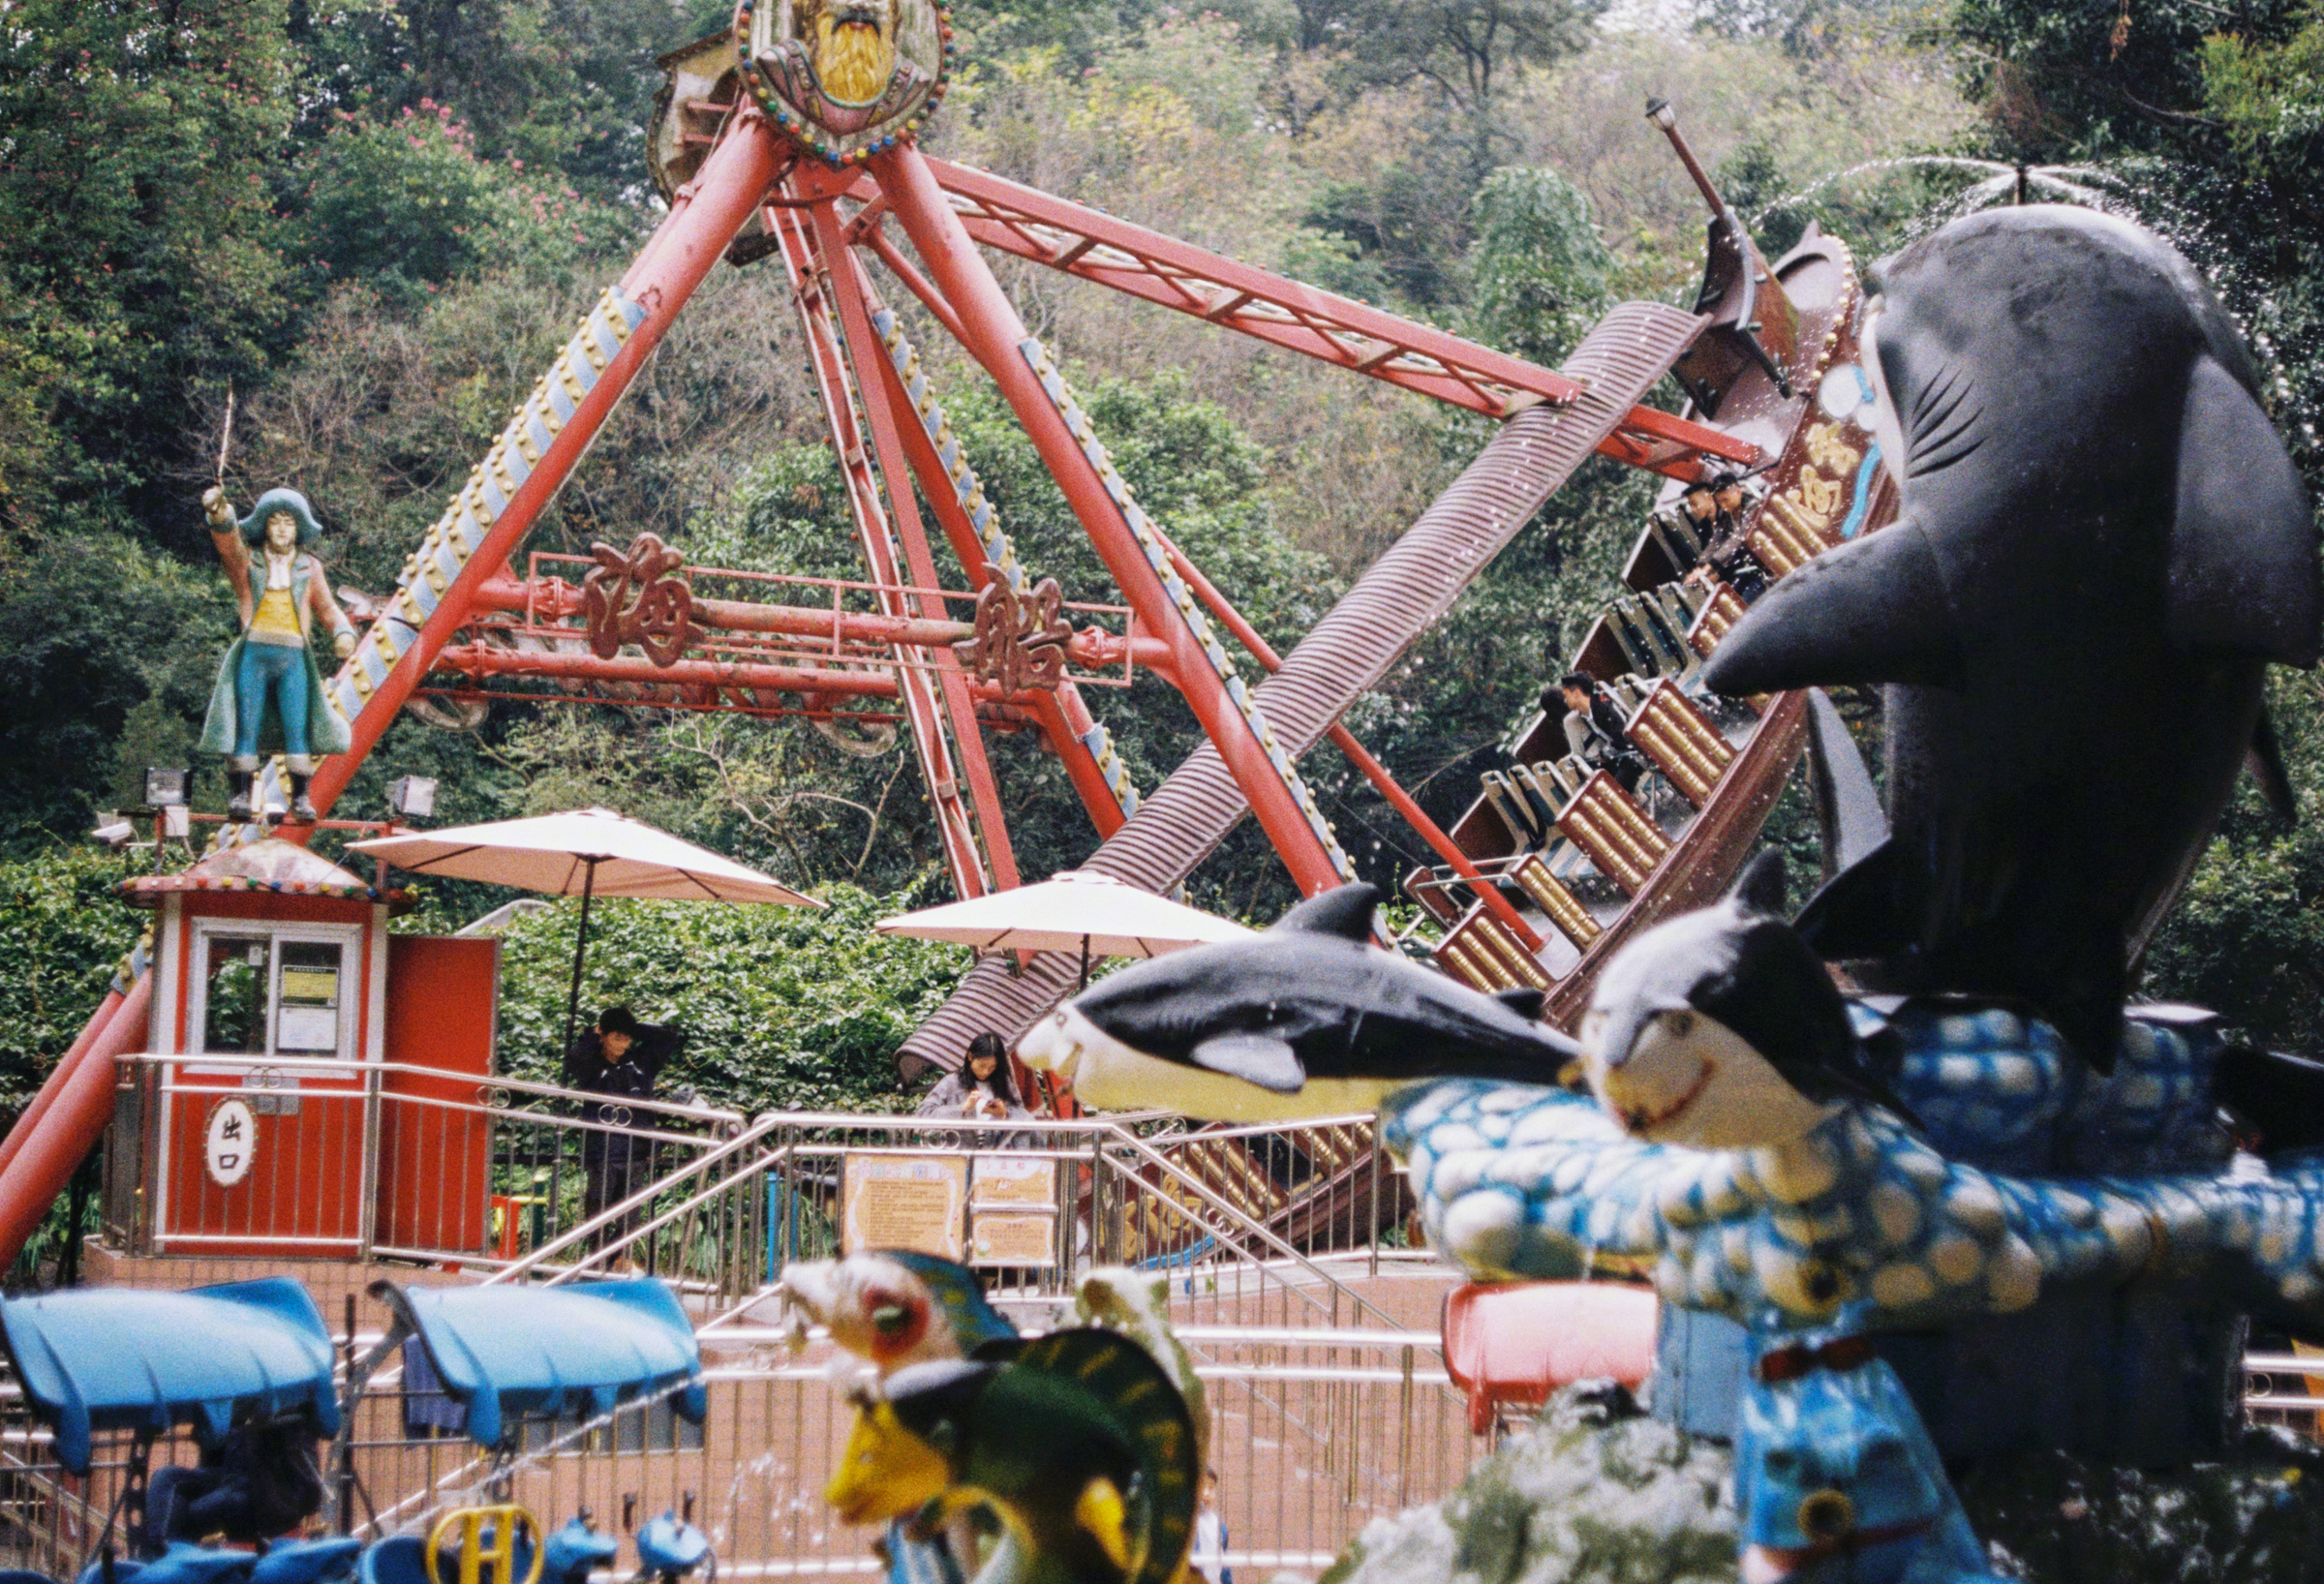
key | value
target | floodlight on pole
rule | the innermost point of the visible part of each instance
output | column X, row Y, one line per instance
column 412, row 796
column 167, row 787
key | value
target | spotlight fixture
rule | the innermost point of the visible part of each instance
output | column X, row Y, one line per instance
column 167, row 788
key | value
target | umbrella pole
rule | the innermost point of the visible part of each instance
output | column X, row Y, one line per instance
column 572, row 997
column 1085, row 963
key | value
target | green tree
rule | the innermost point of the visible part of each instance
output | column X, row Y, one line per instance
column 62, row 932
column 137, row 246
column 1541, row 276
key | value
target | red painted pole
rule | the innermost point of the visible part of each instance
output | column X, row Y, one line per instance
column 1065, row 720
column 887, row 448
column 708, row 210
column 994, row 334
column 28, row 1120
column 70, row 1125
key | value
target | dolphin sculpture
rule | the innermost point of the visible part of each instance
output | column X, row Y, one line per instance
column 1309, row 1018
column 2100, row 544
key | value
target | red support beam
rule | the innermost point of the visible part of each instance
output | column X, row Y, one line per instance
column 845, row 284
column 1065, row 720
column 703, row 219
column 995, row 335
column 1127, row 258
column 555, row 601
column 491, row 660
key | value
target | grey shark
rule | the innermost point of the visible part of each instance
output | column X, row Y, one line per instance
column 2101, row 543
column 1309, row 1018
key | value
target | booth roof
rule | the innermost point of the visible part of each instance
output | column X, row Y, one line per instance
column 270, row 863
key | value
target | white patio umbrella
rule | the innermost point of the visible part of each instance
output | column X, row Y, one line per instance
column 587, row 853
column 1073, row 910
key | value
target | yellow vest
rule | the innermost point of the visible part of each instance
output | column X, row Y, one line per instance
column 276, row 620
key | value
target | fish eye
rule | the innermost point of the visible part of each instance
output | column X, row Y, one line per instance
column 1678, row 1025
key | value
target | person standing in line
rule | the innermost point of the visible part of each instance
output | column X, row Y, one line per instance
column 621, row 1058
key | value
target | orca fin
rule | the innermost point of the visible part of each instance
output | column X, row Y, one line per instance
column 1525, row 1003
column 2265, row 761
column 2242, row 574
column 1762, row 886
column 1255, row 1058
column 1874, row 609
column 1345, row 911
column 1859, row 912
column 1846, row 803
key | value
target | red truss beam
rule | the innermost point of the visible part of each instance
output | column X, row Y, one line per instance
column 481, row 660
column 548, row 602
column 1127, row 258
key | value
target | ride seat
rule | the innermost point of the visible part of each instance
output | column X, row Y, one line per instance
column 1510, row 1345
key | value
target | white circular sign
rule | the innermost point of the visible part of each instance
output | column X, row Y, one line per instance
column 229, row 1142
column 1844, row 391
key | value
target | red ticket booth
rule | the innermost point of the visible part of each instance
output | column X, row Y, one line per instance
column 326, row 1101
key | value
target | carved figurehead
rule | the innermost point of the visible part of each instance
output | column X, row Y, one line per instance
column 846, row 76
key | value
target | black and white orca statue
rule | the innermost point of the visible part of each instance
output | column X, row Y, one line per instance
column 2102, row 543
column 1719, row 1029
column 1309, row 1018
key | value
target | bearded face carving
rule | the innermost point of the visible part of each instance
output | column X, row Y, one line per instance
column 844, row 77
column 855, row 51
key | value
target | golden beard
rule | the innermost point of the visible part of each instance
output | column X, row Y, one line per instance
column 853, row 63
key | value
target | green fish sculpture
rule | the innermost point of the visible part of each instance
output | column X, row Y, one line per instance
column 1076, row 1439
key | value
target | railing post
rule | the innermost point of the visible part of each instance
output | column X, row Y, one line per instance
column 367, row 1209
column 1371, row 1222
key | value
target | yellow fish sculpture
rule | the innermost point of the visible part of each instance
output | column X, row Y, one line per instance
column 1077, row 1441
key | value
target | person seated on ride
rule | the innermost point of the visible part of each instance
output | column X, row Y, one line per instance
column 1716, row 508
column 1595, row 732
column 255, row 1482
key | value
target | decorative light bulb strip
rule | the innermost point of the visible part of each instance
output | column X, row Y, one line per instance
column 1190, row 611
column 454, row 536
column 970, row 492
column 1522, row 1181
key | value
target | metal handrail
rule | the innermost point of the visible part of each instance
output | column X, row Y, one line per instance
column 767, row 1122
column 1274, row 1241
column 332, row 1067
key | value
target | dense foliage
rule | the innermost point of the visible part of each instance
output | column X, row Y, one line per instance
column 784, row 1008
column 374, row 222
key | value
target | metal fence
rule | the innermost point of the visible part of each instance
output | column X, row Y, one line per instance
column 359, row 1162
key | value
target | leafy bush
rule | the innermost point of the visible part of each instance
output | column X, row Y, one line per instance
column 787, row 1009
column 62, row 930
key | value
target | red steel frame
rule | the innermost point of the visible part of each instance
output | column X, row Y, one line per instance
column 945, row 211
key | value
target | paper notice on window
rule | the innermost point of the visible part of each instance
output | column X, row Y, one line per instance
column 314, row 987
column 909, row 1201
column 307, row 1028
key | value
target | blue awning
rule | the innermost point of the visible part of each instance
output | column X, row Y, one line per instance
column 508, row 1351
column 113, row 1358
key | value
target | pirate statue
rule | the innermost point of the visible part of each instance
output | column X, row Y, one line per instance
column 281, row 592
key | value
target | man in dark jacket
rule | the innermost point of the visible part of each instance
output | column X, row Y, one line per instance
column 619, row 1058
column 1595, row 732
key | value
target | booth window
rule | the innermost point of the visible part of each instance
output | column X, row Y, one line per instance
column 274, row 993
